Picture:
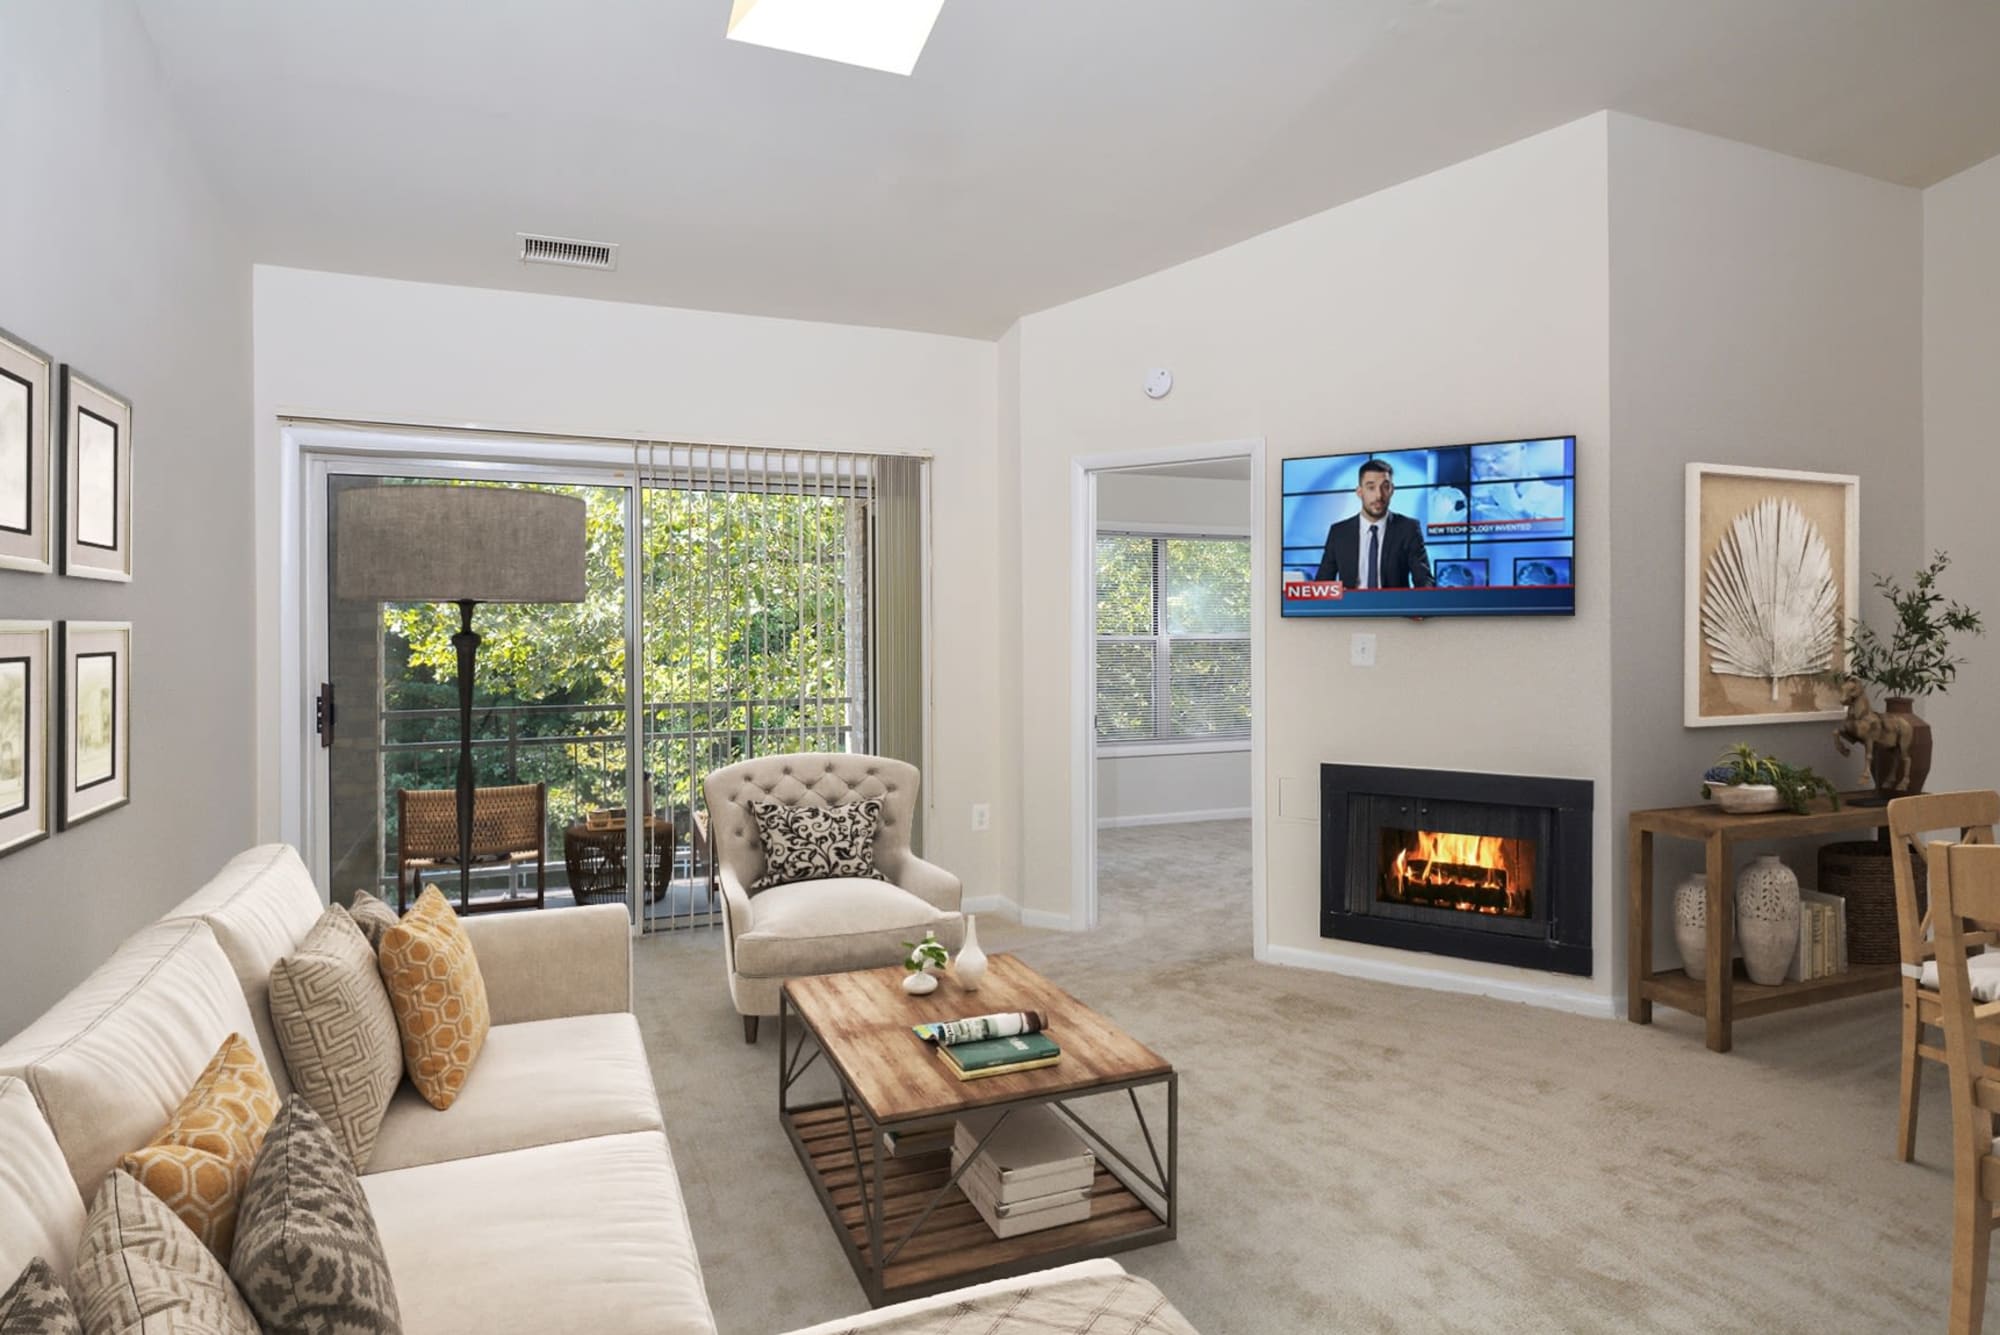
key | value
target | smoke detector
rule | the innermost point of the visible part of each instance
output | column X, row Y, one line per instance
column 568, row 252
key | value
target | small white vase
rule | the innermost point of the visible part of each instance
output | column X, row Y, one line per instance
column 970, row 966
column 920, row 984
column 1767, row 919
column 1691, row 925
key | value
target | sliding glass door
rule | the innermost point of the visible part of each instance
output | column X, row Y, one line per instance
column 740, row 603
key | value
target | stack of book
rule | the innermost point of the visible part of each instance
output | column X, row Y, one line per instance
column 1822, row 937
column 999, row 1056
column 1033, row 1173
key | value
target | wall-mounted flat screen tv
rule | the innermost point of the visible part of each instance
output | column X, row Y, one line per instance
column 1455, row 530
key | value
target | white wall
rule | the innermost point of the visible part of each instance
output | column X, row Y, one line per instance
column 121, row 261
column 1467, row 305
column 1961, row 470
column 1764, row 311
column 339, row 346
column 1165, row 786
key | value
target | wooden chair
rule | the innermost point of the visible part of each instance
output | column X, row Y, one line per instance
column 1970, row 816
column 1965, row 889
column 509, row 829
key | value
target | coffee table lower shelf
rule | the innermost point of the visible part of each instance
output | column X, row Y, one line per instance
column 955, row 1246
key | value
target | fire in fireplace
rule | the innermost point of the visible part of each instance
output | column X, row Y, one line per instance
column 1472, row 873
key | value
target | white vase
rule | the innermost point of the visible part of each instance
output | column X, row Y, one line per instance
column 1767, row 919
column 1691, row 925
column 920, row 984
column 970, row 966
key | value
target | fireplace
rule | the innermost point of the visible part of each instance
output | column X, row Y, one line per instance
column 1491, row 867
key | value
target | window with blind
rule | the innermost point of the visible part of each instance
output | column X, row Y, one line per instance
column 1173, row 639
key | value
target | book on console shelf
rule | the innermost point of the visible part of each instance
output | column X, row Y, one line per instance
column 999, row 1056
column 1822, row 948
column 930, row 1137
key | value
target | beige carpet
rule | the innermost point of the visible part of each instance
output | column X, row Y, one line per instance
column 1362, row 1157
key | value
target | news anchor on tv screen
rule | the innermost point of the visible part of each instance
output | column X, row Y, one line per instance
column 1376, row 549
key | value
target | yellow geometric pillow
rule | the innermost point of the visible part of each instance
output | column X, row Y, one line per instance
column 438, row 995
column 201, row 1159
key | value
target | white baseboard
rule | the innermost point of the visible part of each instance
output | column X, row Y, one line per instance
column 1055, row 922
column 1173, row 818
column 1443, row 980
column 999, row 904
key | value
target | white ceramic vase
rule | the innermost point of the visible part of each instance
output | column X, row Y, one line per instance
column 1767, row 919
column 1691, row 925
column 920, row 984
column 970, row 966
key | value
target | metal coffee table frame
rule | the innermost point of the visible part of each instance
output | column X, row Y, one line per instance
column 1158, row 1192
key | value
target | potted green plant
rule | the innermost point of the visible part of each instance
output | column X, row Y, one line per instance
column 1741, row 780
column 920, row 965
column 1913, row 661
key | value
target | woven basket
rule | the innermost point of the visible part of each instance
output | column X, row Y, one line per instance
column 1862, row 874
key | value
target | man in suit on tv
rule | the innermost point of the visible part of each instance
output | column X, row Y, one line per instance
column 1376, row 549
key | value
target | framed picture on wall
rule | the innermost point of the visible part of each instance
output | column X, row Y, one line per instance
column 1770, row 588
column 95, row 710
column 27, row 469
column 97, row 479
column 26, row 654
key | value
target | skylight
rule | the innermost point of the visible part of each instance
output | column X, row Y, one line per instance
column 885, row 35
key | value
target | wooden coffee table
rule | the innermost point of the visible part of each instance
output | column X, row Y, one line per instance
column 907, row 1228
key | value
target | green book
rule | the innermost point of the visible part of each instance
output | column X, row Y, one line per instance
column 989, row 1052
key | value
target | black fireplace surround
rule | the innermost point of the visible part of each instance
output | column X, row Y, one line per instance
column 1363, row 811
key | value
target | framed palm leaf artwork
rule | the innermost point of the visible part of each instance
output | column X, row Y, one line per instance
column 95, row 708
column 27, row 468
column 1771, row 586
column 97, row 479
column 27, row 651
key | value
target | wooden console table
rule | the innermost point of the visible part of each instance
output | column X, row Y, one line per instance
column 1725, row 997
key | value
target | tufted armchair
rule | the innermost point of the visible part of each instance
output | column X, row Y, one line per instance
column 824, row 926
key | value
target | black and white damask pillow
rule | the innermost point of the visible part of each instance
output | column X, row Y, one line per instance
column 38, row 1304
column 307, row 1256
column 817, row 843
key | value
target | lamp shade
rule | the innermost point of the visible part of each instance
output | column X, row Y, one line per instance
column 425, row 544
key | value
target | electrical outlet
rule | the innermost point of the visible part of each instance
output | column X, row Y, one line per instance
column 1361, row 650
column 982, row 816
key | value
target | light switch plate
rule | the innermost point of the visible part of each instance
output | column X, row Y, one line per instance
column 1361, row 649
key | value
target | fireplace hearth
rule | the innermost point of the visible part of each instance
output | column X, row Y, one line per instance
column 1491, row 867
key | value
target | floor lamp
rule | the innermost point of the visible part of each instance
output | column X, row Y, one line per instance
column 466, row 545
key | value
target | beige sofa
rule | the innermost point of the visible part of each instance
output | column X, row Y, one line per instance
column 823, row 926
column 544, row 1201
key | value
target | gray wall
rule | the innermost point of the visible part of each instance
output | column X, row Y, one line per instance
column 116, row 255
column 1962, row 456
column 1764, row 311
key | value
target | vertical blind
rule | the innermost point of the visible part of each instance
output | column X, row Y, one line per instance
column 781, row 611
column 1173, row 638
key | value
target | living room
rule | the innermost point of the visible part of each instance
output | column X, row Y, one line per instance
column 1676, row 236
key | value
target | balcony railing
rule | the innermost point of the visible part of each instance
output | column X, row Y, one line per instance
column 580, row 751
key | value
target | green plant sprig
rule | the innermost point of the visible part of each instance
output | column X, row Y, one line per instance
column 1916, row 660
column 927, row 953
column 1796, row 784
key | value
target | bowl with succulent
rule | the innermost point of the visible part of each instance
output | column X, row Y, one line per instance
column 1742, row 781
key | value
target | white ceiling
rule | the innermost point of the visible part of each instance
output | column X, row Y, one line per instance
column 1044, row 149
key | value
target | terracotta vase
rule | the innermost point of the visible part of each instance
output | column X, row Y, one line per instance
column 1767, row 919
column 1887, row 762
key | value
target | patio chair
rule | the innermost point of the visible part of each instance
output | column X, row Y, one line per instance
column 509, row 829
column 822, row 926
column 1969, row 816
column 1965, row 893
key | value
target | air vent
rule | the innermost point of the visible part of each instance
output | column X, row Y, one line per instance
column 566, row 251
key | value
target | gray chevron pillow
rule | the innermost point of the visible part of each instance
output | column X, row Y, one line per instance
column 372, row 916
column 307, row 1255
column 338, row 1031
column 139, row 1269
column 37, row 1304
column 817, row 843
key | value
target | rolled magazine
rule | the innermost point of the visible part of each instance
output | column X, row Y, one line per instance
column 1001, row 1024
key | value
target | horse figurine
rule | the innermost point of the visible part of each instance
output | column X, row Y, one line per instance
column 1874, row 732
